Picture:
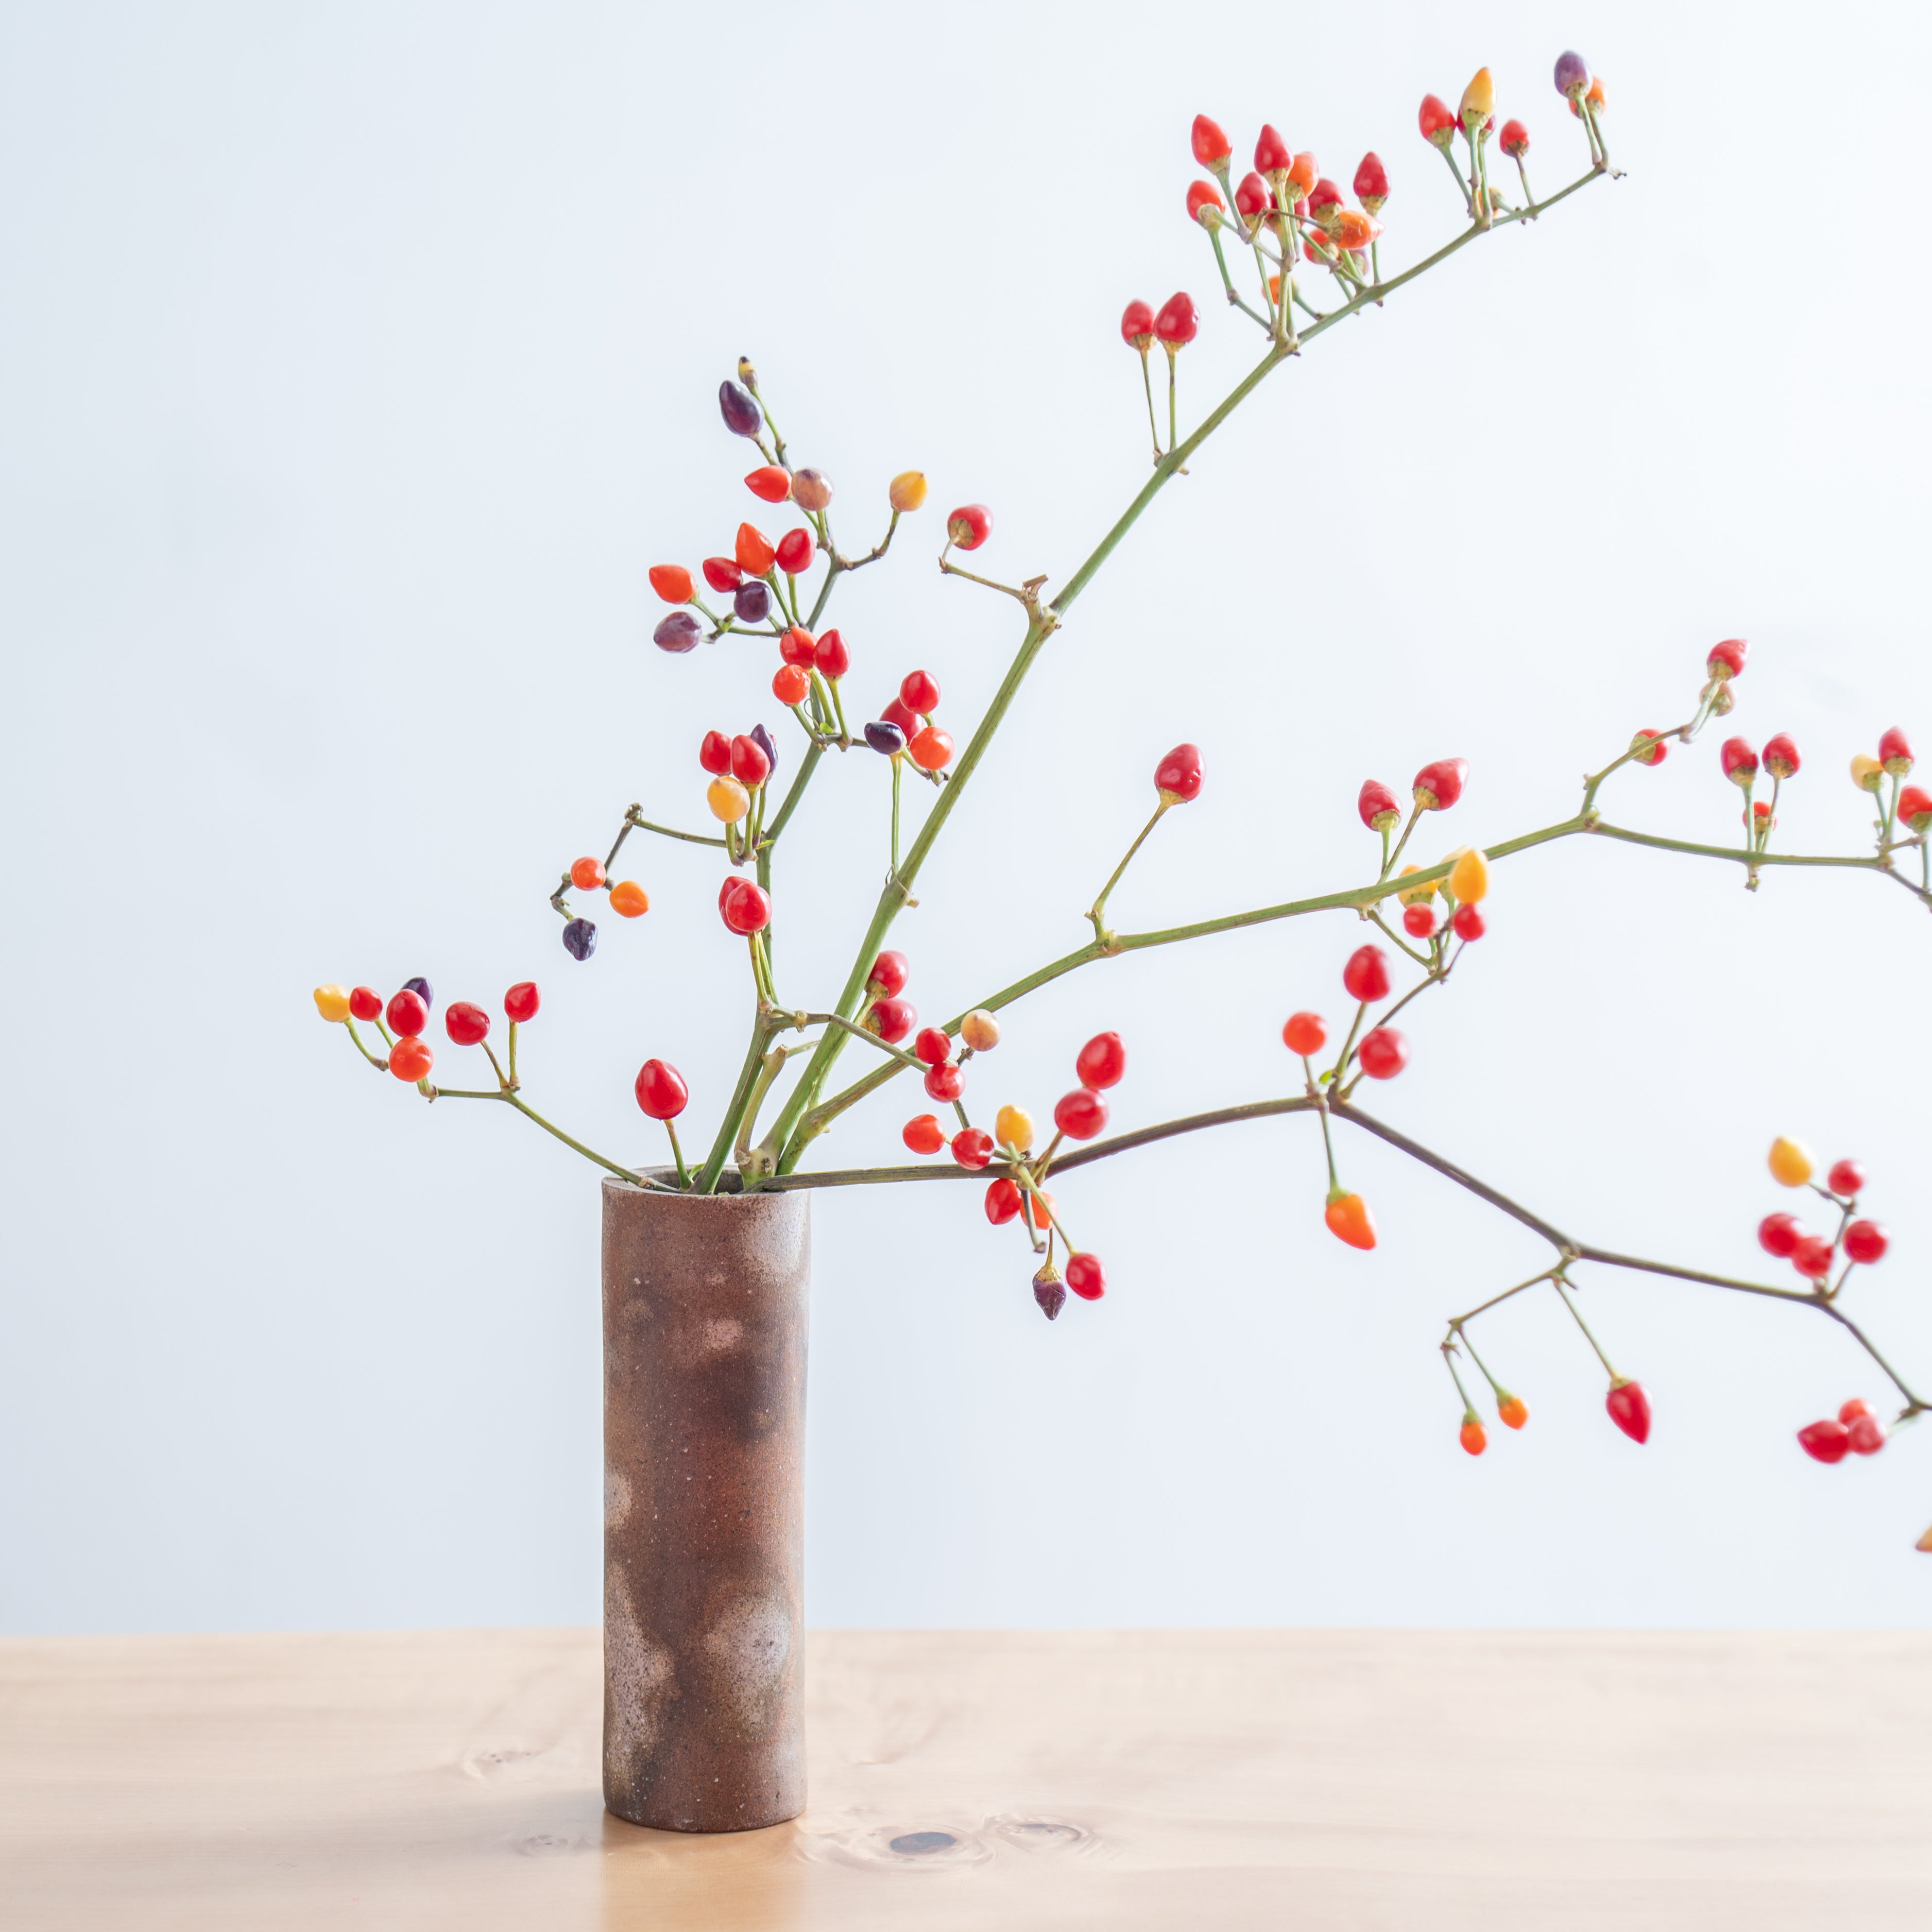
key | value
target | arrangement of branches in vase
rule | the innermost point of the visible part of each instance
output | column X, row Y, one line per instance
column 1293, row 260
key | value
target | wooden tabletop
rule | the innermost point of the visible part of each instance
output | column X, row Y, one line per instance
column 1008, row 1780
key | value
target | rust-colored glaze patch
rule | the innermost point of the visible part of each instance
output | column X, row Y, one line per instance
column 704, row 1348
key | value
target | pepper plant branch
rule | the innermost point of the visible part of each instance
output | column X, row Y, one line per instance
column 1042, row 621
column 1358, row 898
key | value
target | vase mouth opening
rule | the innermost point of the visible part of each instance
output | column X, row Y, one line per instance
column 729, row 1183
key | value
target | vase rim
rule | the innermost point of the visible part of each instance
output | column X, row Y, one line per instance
column 731, row 1187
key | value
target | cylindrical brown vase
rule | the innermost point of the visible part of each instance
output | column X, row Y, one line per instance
column 704, row 1343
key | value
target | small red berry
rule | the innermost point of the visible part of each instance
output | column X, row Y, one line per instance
column 1080, row 1115
column 1003, row 1201
column 1377, row 805
column 1727, row 660
column 1365, row 975
column 794, row 553
column 1176, row 324
column 1629, row 1408
column 831, row 659
column 714, row 753
column 585, row 875
column 1811, row 1256
column 1438, row 121
column 1253, row 199
column 905, row 721
column 466, row 1024
column 1086, row 1277
column 1272, row 155
column 1914, row 807
column 1779, row 1235
column 770, row 485
column 972, row 1146
column 1825, row 1441
column 1102, row 1061
column 1324, row 201
column 923, row 1134
column 1849, row 1412
column 918, row 691
column 969, row 525
column 798, row 646
column 1894, row 753
column 1739, row 760
column 752, row 550
column 1866, row 1242
column 1371, row 183
column 365, row 1003
column 410, row 1058
column 945, row 1083
column 750, row 766
column 745, row 908
column 931, row 749
column 660, row 1089
column 1438, row 786
column 1178, row 777
column 1211, row 147
column 1474, row 1438
column 1781, row 756
column 1653, row 752
column 932, row 1046
column 672, row 582
column 1137, row 326
column 791, row 684
column 1383, row 1053
column 1419, row 921
column 1305, row 1033
column 722, row 573
column 1468, row 923
column 408, row 1014
column 891, row 1019
column 521, row 1001
column 1513, row 140
column 1846, row 1180
column 889, row 973
column 1203, row 194
column 1865, row 1436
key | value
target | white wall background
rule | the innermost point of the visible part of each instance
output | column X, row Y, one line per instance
column 354, row 364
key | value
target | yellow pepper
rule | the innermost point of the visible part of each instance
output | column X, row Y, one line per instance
column 1867, row 771
column 332, row 1002
column 1468, row 879
column 728, row 799
column 1416, row 894
column 1479, row 100
column 907, row 491
column 1012, row 1126
column 1790, row 1162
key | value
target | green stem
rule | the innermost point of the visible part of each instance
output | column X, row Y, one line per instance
column 529, row 1113
column 381, row 1065
column 1100, row 904
column 893, row 871
column 1146, row 383
column 1556, row 1282
column 709, row 1174
column 664, row 831
column 677, row 1154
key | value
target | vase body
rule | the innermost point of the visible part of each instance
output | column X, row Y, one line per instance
column 705, row 1301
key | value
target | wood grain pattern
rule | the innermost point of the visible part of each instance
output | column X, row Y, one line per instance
column 1126, row 1780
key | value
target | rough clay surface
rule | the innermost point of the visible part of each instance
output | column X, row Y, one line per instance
column 704, row 1346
